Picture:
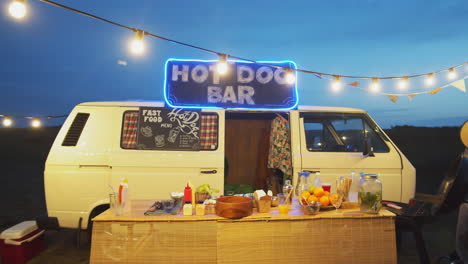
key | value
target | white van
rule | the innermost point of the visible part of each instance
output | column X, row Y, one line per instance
column 96, row 147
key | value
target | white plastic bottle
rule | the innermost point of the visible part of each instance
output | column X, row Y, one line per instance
column 354, row 188
column 318, row 181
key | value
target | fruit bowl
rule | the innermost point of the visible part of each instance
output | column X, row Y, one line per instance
column 233, row 207
column 311, row 209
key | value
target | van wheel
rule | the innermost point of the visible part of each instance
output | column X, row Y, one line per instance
column 96, row 211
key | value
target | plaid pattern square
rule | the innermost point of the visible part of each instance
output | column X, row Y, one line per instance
column 208, row 131
column 129, row 130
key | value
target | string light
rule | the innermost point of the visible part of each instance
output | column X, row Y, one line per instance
column 290, row 77
column 7, row 121
column 137, row 45
column 17, row 9
column 430, row 79
column 403, row 83
column 336, row 85
column 375, row 85
column 451, row 74
column 222, row 65
column 36, row 123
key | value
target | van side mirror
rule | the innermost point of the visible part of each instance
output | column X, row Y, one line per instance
column 367, row 147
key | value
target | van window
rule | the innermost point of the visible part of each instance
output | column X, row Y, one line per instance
column 208, row 130
column 74, row 132
column 340, row 133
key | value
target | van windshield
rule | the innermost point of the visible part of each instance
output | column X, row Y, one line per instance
column 341, row 133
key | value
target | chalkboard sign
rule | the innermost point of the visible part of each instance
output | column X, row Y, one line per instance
column 168, row 129
column 195, row 83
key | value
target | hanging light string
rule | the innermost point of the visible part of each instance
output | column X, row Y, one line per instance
column 7, row 120
column 32, row 117
column 318, row 74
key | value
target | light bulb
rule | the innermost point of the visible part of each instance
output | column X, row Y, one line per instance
column 290, row 77
column 222, row 65
column 7, row 122
column 36, row 123
column 337, row 85
column 451, row 74
column 430, row 79
column 403, row 83
column 137, row 46
column 375, row 85
column 17, row 9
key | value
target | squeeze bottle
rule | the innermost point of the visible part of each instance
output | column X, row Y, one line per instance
column 123, row 195
column 188, row 194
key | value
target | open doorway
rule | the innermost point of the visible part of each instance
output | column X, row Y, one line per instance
column 247, row 144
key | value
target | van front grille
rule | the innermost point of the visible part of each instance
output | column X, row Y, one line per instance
column 74, row 133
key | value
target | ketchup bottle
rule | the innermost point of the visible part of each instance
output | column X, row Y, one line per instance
column 188, row 194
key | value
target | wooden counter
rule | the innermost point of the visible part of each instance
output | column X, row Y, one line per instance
column 329, row 237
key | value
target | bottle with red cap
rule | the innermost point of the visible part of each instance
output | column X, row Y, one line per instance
column 188, row 194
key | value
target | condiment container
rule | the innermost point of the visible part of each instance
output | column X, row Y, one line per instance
column 200, row 209
column 264, row 204
column 370, row 194
column 188, row 209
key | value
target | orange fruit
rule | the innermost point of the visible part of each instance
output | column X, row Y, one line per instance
column 305, row 194
column 324, row 200
column 319, row 192
column 333, row 198
column 313, row 198
column 326, row 193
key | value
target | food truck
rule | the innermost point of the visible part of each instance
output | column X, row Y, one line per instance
column 211, row 130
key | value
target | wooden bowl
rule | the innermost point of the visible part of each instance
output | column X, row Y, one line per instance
column 233, row 207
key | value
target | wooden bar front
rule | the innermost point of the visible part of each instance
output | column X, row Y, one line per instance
column 328, row 237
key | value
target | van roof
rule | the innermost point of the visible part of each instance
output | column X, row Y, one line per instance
column 161, row 104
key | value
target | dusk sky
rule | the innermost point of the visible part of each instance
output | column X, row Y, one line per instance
column 54, row 59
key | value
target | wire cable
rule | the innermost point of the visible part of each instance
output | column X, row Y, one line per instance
column 318, row 74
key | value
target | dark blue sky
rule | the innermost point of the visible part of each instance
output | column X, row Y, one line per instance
column 55, row 59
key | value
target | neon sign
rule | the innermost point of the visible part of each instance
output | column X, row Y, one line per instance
column 246, row 85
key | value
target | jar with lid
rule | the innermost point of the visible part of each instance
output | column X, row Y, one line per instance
column 370, row 194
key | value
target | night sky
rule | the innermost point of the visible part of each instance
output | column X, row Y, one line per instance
column 54, row 59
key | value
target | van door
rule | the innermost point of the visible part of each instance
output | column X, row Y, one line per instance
column 153, row 174
column 333, row 143
column 77, row 169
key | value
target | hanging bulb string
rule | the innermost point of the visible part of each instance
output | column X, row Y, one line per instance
column 33, row 117
column 395, row 94
column 316, row 73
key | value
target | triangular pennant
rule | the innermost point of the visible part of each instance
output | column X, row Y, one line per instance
column 411, row 96
column 435, row 91
column 460, row 85
column 392, row 97
column 355, row 84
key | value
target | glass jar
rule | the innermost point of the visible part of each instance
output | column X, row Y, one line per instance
column 370, row 194
column 301, row 184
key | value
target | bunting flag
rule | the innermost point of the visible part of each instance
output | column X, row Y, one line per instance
column 411, row 96
column 392, row 97
column 355, row 84
column 460, row 85
column 435, row 90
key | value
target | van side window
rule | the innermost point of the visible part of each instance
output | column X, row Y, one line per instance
column 340, row 133
column 74, row 132
column 208, row 130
